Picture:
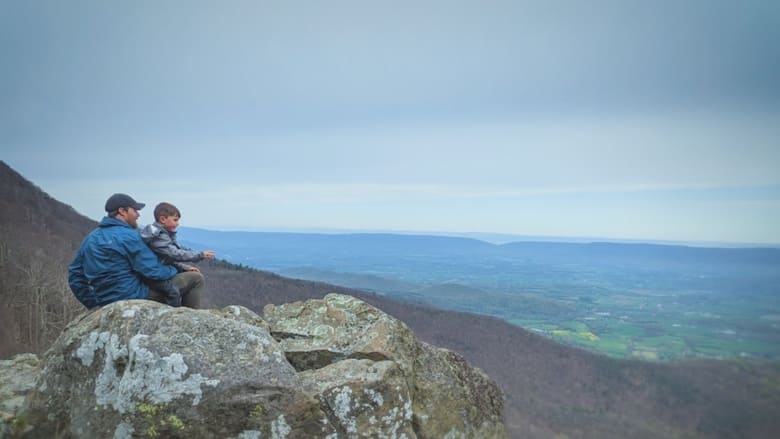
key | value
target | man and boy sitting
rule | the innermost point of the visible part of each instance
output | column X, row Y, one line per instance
column 114, row 262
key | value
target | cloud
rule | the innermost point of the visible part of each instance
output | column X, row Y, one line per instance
column 516, row 153
column 196, row 66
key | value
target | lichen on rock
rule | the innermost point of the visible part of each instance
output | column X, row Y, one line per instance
column 376, row 379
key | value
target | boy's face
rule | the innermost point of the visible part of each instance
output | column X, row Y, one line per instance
column 169, row 222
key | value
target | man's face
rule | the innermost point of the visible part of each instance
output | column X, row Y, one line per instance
column 129, row 215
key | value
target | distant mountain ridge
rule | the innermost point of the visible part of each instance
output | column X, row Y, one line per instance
column 335, row 244
column 551, row 389
column 492, row 238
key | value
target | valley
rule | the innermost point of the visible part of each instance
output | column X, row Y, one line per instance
column 649, row 302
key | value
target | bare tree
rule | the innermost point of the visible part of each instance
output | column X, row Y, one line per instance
column 41, row 302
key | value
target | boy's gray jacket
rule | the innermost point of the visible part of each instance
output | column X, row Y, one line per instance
column 164, row 244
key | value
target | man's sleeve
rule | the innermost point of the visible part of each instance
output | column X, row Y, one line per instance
column 162, row 244
column 145, row 263
column 78, row 282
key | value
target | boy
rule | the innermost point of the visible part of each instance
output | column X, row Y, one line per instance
column 161, row 238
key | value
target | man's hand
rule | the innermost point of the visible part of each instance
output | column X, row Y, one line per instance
column 208, row 254
column 193, row 268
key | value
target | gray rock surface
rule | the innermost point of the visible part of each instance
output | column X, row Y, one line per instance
column 138, row 368
column 17, row 379
column 432, row 390
column 453, row 399
column 363, row 398
column 316, row 333
column 330, row 368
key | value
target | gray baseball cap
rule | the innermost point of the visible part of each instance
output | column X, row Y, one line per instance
column 116, row 201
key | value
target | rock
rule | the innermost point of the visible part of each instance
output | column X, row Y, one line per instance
column 138, row 368
column 334, row 368
column 17, row 379
column 363, row 398
column 454, row 400
column 242, row 314
column 316, row 333
column 450, row 399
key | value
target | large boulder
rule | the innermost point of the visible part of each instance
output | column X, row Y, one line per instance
column 316, row 333
column 143, row 369
column 444, row 396
column 330, row 368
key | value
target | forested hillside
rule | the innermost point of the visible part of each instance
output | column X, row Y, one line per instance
column 550, row 389
column 38, row 236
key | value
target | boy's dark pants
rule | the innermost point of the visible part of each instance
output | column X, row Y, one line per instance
column 190, row 284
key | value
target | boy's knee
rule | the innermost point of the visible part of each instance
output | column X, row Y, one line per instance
column 197, row 277
column 188, row 278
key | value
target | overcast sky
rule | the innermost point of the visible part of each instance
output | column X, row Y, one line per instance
column 655, row 120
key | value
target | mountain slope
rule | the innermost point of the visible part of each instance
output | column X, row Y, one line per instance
column 550, row 389
column 38, row 236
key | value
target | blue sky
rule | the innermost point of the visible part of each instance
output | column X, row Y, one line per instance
column 615, row 119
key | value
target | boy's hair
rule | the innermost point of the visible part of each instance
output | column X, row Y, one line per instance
column 165, row 209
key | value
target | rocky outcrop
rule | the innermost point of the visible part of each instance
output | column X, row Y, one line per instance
column 425, row 391
column 330, row 368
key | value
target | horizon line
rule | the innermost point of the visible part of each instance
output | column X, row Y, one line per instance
column 497, row 238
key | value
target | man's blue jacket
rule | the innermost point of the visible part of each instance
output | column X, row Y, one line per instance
column 111, row 263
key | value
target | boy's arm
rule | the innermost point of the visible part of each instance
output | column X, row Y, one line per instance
column 182, row 267
column 145, row 263
column 163, row 245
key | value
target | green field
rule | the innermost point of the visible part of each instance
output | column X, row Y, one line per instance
column 624, row 327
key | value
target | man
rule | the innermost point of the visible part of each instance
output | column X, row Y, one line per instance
column 113, row 262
